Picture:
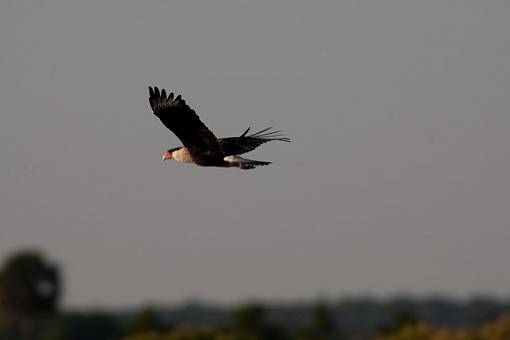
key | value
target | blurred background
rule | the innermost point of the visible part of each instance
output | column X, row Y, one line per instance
column 388, row 212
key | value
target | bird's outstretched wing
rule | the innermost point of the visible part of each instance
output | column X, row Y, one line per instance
column 182, row 120
column 247, row 143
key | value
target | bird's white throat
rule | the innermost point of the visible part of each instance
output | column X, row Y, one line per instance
column 182, row 155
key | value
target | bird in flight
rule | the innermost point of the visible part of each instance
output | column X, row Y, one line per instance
column 201, row 146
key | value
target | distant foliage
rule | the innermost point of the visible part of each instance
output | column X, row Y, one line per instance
column 320, row 325
column 87, row 326
column 497, row 330
column 198, row 333
column 144, row 321
column 402, row 318
column 251, row 319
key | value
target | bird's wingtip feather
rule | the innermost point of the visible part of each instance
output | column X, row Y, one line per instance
column 245, row 132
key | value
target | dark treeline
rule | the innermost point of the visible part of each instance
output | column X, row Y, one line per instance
column 31, row 286
column 356, row 316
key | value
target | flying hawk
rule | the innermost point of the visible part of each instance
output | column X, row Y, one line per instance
column 201, row 147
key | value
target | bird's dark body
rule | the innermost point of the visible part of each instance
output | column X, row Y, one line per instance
column 206, row 158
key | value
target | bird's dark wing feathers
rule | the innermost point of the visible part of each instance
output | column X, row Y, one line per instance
column 246, row 143
column 178, row 117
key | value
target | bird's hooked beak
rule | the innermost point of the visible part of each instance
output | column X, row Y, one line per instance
column 167, row 155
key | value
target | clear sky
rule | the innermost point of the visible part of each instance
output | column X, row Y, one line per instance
column 397, row 179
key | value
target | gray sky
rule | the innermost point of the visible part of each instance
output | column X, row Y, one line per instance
column 397, row 179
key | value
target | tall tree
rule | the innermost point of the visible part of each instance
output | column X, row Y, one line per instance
column 29, row 285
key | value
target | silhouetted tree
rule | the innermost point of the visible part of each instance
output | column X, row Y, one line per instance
column 29, row 293
column 29, row 285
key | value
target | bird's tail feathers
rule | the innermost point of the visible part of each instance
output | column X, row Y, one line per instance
column 244, row 163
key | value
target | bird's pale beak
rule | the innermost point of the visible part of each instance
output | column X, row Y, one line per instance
column 167, row 155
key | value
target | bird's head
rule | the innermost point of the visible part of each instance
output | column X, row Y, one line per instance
column 167, row 155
